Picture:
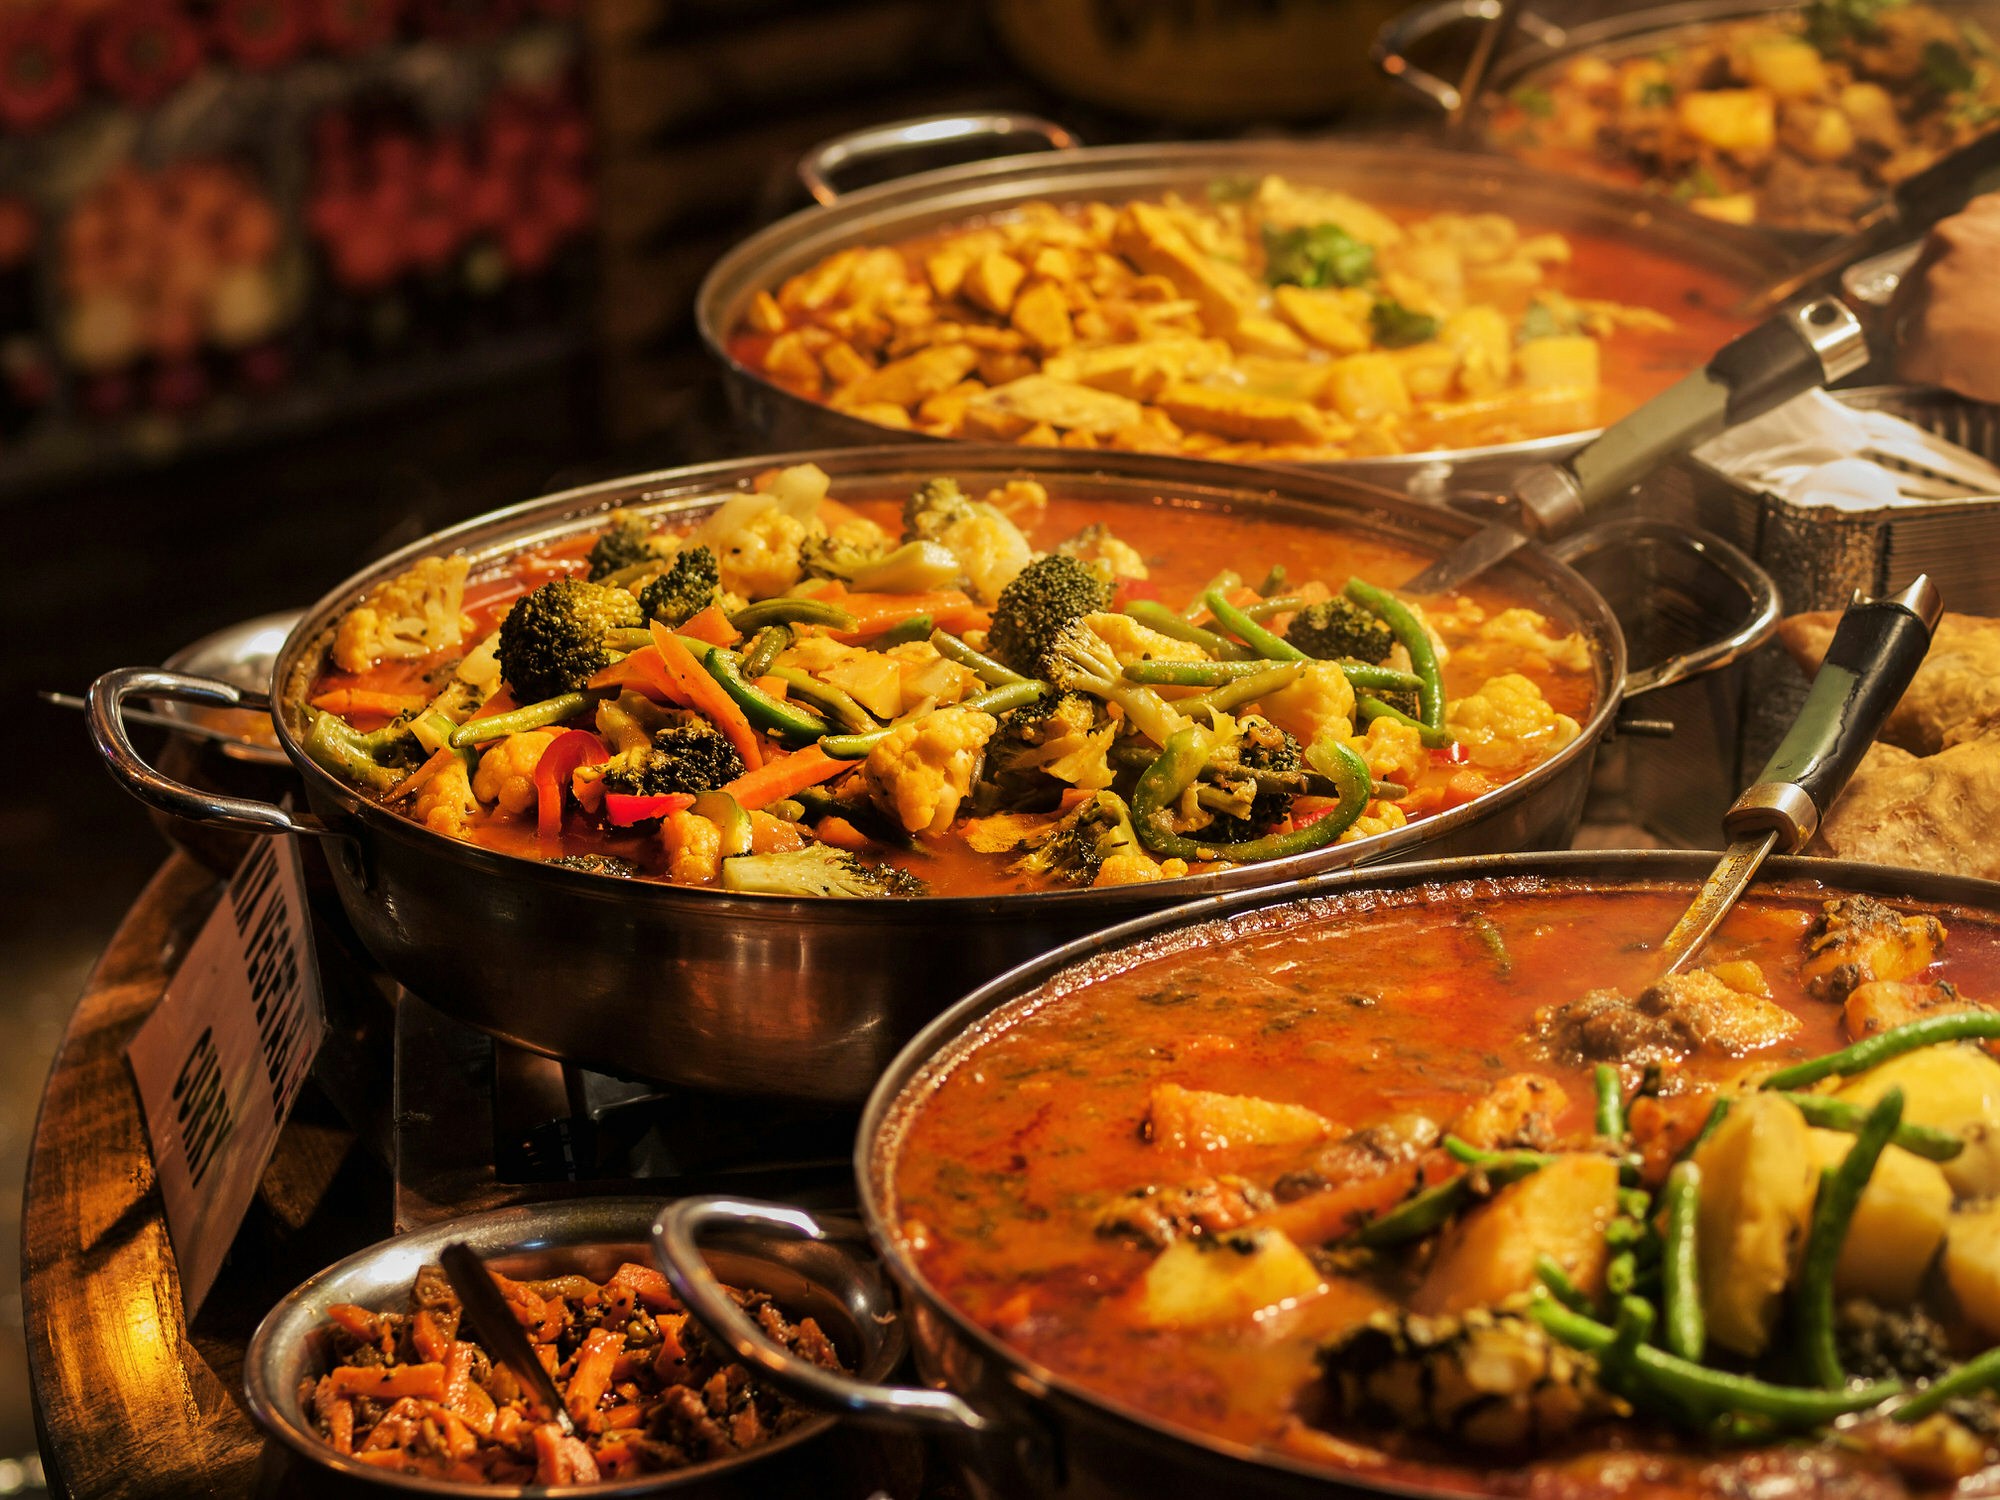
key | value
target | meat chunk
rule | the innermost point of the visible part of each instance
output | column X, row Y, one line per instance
column 1157, row 1216
column 1857, row 939
column 1681, row 1014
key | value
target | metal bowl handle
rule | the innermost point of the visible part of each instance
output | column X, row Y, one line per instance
column 1391, row 49
column 104, row 710
column 1758, row 625
column 817, row 166
column 675, row 1245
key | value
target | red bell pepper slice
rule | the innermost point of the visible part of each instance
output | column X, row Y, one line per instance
column 575, row 747
column 623, row 809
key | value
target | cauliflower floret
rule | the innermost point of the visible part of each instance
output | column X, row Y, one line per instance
column 1130, row 641
column 506, row 773
column 990, row 548
column 694, row 848
column 1376, row 817
column 1520, row 638
column 1507, row 724
column 1391, row 748
column 445, row 803
column 413, row 614
column 922, row 771
column 927, row 677
column 1021, row 501
column 859, row 534
column 1320, row 700
column 756, row 543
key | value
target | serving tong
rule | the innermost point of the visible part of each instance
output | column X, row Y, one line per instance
column 487, row 1311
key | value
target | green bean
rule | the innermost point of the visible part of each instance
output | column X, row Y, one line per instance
column 766, row 648
column 1686, row 1333
column 998, row 701
column 985, row 668
column 1243, row 690
column 916, row 628
column 1621, row 1272
column 1156, row 616
column 1610, row 1102
column 1492, row 940
column 788, row 610
column 514, row 721
column 1840, row 1190
column 1972, row 1376
column 1434, row 1207
column 836, row 703
column 1683, row 1381
column 628, row 640
column 1227, row 579
column 1556, row 1279
column 1274, row 581
column 1196, row 673
column 1181, row 761
column 1410, row 633
column 1361, row 675
column 1372, row 707
column 1959, row 1026
column 1248, row 631
column 1269, row 605
column 1824, row 1113
column 1635, row 1203
column 1631, row 1333
column 1717, row 1113
column 1473, row 1156
column 759, row 707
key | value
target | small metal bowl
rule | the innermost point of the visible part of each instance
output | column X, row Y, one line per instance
column 843, row 1288
column 241, row 654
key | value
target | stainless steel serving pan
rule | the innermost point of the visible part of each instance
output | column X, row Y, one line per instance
column 838, row 1283
column 1018, row 1428
column 1393, row 173
column 810, row 998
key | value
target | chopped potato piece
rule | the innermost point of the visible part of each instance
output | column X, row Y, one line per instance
column 1059, row 403
column 993, row 281
column 1042, row 315
column 1972, row 1265
column 1897, row 1226
column 1743, row 122
column 1335, row 318
column 1757, row 1187
column 1225, row 1279
column 1955, row 1088
column 1789, row 69
column 1197, row 1120
column 910, row 379
column 1241, row 414
column 1489, row 1254
column 1367, row 387
column 1558, row 363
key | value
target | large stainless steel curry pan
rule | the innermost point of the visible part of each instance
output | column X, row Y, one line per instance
column 810, row 999
column 1397, row 174
column 1017, row 1428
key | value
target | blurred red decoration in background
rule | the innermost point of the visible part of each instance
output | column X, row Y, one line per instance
column 39, row 75
column 145, row 49
column 261, row 34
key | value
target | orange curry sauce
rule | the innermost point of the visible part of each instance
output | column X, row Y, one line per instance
column 1362, row 1010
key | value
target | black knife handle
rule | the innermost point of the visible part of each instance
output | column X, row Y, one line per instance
column 1780, row 358
column 1876, row 650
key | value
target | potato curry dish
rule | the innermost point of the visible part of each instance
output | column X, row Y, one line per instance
column 953, row 694
column 1798, row 120
column 1268, row 321
column 1447, row 1188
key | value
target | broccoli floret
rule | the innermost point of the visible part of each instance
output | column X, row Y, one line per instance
column 1078, row 661
column 1258, row 771
column 1337, row 629
column 376, row 760
column 912, row 568
column 1075, row 848
column 823, row 555
column 1404, row 700
column 630, row 540
column 685, row 589
column 1047, row 595
column 1031, row 739
column 816, row 870
column 552, row 641
column 689, row 756
column 597, row 864
column 934, row 507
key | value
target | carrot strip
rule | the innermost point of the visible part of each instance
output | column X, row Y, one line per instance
column 592, row 1375
column 780, row 778
column 358, row 1321
column 703, row 693
column 441, row 757
column 380, row 1383
column 874, row 613
column 427, row 1338
column 712, row 626
column 647, row 1284
column 501, row 702
column 346, row 701
column 777, row 687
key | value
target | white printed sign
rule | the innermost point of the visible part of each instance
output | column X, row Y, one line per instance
column 221, row 1058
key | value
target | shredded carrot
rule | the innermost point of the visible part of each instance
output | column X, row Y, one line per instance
column 712, row 626
column 427, row 1338
column 439, row 759
column 591, row 1377
column 780, row 778
column 385, row 1383
column 703, row 693
column 874, row 613
column 776, row 687
column 349, row 701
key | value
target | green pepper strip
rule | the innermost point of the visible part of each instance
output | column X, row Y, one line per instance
column 837, row 704
column 1974, row 1375
column 786, row 610
column 1156, row 616
column 1243, row 690
column 1187, row 751
column 1556, row 1279
column 532, row 716
column 1958, row 1027
column 1413, row 638
column 1270, row 605
column 1372, row 707
column 1610, row 1102
column 343, row 754
column 1837, row 1114
column 1434, row 1207
column 1247, row 630
column 1686, row 1333
column 1840, row 1190
column 759, row 707
column 999, row 701
column 1214, row 673
column 916, row 628
column 1682, row 1380
column 988, row 671
column 769, row 645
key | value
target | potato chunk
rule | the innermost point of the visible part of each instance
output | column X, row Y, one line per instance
column 1897, row 1226
column 1242, row 414
column 1489, row 1255
column 1038, row 398
column 1565, row 363
column 1757, row 1186
column 1743, row 122
column 1955, row 1088
column 1198, row 1120
column 914, row 377
column 1225, row 1279
column 1789, row 69
column 1972, row 1265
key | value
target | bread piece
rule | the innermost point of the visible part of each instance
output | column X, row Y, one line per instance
column 1956, row 693
column 1932, row 812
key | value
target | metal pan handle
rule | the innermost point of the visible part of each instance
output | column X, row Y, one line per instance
column 676, row 1234
column 1391, row 49
column 1760, row 619
column 104, row 707
column 817, row 166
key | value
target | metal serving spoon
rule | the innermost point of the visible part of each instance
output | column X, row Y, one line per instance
column 1876, row 650
column 487, row 1311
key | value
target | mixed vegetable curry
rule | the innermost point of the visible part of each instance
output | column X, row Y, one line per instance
column 1271, row 320
column 1800, row 119
column 956, row 694
column 1449, row 1188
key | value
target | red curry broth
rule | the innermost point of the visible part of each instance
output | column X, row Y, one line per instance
column 996, row 1173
